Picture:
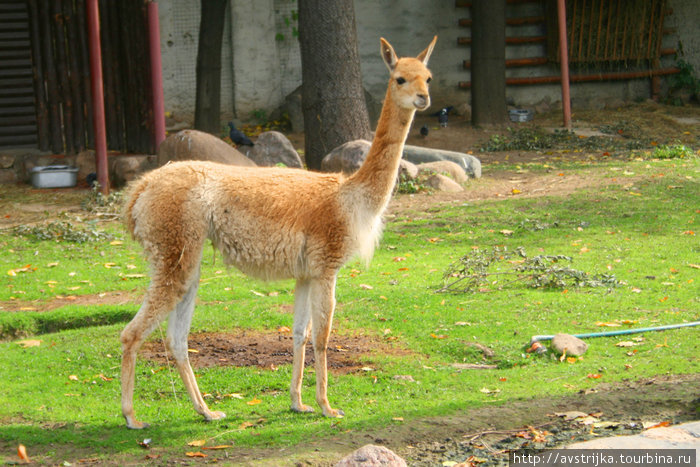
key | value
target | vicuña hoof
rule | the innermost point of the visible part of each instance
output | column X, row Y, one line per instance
column 215, row 415
column 136, row 425
column 303, row 409
column 334, row 413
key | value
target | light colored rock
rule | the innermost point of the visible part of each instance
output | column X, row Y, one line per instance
column 85, row 161
column 188, row 145
column 272, row 148
column 124, row 169
column 443, row 183
column 421, row 155
column 455, row 172
column 371, row 456
column 6, row 161
column 347, row 157
column 573, row 345
column 408, row 169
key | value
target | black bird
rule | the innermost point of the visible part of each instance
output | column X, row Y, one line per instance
column 238, row 137
column 424, row 131
column 442, row 115
column 91, row 179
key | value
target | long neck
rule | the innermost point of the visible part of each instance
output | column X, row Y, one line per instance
column 377, row 175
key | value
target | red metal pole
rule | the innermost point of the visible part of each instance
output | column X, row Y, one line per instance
column 564, row 63
column 98, row 101
column 156, row 74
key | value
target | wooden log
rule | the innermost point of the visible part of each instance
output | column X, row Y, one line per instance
column 128, row 70
column 42, row 116
column 53, row 96
column 72, row 23
column 84, row 64
column 118, row 60
column 113, row 132
column 64, row 79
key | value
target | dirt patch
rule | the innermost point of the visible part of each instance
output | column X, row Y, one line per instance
column 269, row 350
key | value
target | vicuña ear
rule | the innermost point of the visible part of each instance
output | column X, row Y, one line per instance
column 424, row 56
column 388, row 54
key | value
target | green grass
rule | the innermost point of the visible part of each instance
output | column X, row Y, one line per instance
column 61, row 399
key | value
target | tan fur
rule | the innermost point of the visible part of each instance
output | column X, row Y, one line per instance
column 270, row 223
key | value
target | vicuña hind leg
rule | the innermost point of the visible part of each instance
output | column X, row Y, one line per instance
column 322, row 297
column 160, row 299
column 301, row 332
column 178, row 330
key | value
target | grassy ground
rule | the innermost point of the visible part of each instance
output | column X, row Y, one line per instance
column 60, row 365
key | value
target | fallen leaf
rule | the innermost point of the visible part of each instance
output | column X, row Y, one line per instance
column 626, row 344
column 607, row 324
column 29, row 343
column 594, row 375
column 571, row 415
column 438, row 336
column 221, row 446
column 245, row 425
column 73, row 378
column 195, row 454
column 197, row 443
column 22, row 453
column 506, row 232
column 366, row 287
column 284, row 329
column 146, row 443
column 571, row 359
column 650, row 425
column 103, row 377
column 515, row 191
column 110, row 265
column 397, row 419
column 489, row 391
column 255, row 401
column 116, row 242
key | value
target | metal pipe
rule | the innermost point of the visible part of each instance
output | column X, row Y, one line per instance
column 98, row 109
column 620, row 332
column 564, row 63
column 156, row 75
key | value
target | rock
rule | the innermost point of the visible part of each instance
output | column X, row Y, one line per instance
column 188, row 145
column 347, row 157
column 85, row 161
column 6, row 161
column 573, row 345
column 124, row 169
column 408, row 169
column 443, row 183
column 456, row 172
column 272, row 148
column 420, row 155
column 371, row 456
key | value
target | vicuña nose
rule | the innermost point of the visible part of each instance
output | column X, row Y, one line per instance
column 423, row 97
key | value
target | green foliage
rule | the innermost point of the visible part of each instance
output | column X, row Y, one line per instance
column 61, row 231
column 677, row 151
column 483, row 270
column 408, row 185
column 685, row 80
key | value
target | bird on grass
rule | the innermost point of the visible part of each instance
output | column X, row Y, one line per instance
column 238, row 137
column 424, row 131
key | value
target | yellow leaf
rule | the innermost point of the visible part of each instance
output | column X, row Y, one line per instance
column 195, row 454
column 571, row 359
column 197, row 442
column 221, row 446
column 73, row 378
column 283, row 329
column 116, row 242
column 397, row 419
column 22, row 453
column 245, row 425
column 255, row 401
column 515, row 191
column 29, row 343
column 110, row 265
column 193, row 350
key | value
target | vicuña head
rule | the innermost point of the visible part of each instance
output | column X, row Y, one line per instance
column 409, row 76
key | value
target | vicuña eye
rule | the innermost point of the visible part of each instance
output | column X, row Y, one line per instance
column 428, row 80
column 400, row 80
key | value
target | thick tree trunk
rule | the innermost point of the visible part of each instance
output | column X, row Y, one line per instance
column 488, row 58
column 208, row 100
column 333, row 99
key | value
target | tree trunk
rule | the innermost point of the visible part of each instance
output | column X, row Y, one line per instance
column 207, row 109
column 333, row 99
column 488, row 56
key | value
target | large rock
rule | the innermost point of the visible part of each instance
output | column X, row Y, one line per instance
column 443, row 183
column 371, row 456
column 572, row 345
column 347, row 157
column 408, row 169
column 273, row 148
column 124, row 169
column 456, row 172
column 188, row 145
column 420, row 155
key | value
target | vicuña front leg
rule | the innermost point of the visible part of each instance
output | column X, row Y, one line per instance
column 178, row 330
column 301, row 333
column 322, row 299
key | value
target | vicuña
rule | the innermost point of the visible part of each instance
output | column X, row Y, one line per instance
column 271, row 223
